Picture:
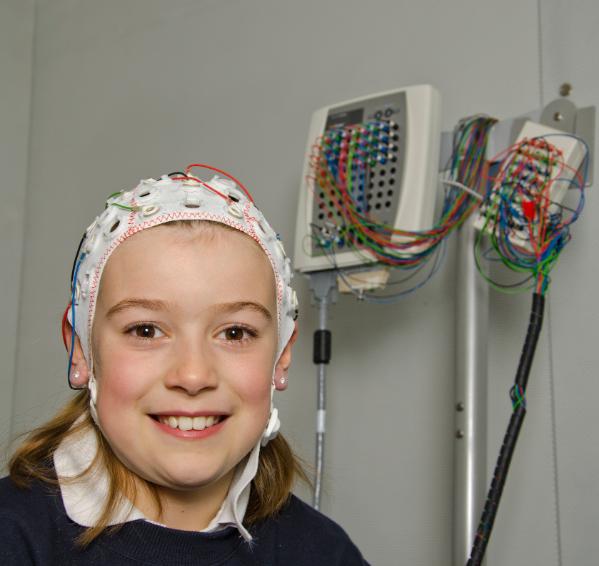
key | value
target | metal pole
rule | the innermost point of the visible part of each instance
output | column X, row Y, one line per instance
column 324, row 287
column 320, row 410
column 470, row 449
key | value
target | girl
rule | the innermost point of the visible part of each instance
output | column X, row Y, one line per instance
column 180, row 328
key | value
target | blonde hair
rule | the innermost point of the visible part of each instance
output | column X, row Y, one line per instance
column 278, row 467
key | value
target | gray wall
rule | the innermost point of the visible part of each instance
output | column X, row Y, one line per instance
column 16, row 50
column 136, row 88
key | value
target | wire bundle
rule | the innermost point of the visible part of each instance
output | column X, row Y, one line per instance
column 341, row 163
column 528, row 229
column 528, row 232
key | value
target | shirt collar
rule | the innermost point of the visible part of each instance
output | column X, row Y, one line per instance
column 84, row 497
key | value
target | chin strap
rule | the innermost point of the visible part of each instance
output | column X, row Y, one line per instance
column 274, row 424
column 92, row 385
column 272, row 428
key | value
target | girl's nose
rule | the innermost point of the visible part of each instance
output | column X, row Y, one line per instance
column 192, row 369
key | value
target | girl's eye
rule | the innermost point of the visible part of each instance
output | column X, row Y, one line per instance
column 145, row 331
column 237, row 334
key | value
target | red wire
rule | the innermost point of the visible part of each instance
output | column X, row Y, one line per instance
column 222, row 172
column 64, row 322
column 203, row 183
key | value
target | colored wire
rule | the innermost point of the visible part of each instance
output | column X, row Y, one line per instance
column 527, row 229
column 222, row 172
column 73, row 300
column 342, row 162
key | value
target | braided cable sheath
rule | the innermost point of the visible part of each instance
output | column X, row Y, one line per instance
column 511, row 435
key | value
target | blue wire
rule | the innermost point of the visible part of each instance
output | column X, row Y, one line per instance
column 73, row 293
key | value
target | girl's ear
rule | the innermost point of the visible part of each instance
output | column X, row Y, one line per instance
column 79, row 375
column 282, row 367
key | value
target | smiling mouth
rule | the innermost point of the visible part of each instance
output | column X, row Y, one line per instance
column 189, row 423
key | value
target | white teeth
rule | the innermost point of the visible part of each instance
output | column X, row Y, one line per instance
column 189, row 423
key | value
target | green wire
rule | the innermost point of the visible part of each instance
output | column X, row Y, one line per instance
column 122, row 206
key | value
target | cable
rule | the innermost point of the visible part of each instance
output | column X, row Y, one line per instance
column 73, row 300
column 222, row 172
column 528, row 232
column 518, row 394
column 341, row 162
column 463, row 187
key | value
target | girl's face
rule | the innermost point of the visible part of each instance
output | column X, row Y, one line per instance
column 184, row 340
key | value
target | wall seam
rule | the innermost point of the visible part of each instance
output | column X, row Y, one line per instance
column 17, row 351
column 552, row 402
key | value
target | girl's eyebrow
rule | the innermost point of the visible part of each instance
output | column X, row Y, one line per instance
column 158, row 305
column 149, row 304
column 243, row 305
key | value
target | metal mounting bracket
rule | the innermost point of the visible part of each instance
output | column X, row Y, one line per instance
column 560, row 114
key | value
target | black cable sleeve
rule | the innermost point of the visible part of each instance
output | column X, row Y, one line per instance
column 530, row 344
column 510, row 439
column 322, row 347
column 75, row 260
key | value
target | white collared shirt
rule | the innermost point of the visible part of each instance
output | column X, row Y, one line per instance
column 84, row 498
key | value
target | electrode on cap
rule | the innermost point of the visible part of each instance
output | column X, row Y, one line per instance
column 235, row 210
column 193, row 200
column 150, row 210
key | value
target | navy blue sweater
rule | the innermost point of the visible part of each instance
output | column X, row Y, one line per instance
column 35, row 530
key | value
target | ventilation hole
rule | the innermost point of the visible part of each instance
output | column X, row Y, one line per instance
column 379, row 194
column 381, row 183
column 392, row 170
column 322, row 195
column 369, row 196
column 372, row 173
column 388, row 204
column 371, row 184
column 192, row 205
column 377, row 205
column 390, row 193
column 382, row 172
column 115, row 226
column 320, row 216
column 391, row 181
column 330, row 215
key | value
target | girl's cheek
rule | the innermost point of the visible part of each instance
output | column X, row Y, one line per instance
column 253, row 381
column 126, row 376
